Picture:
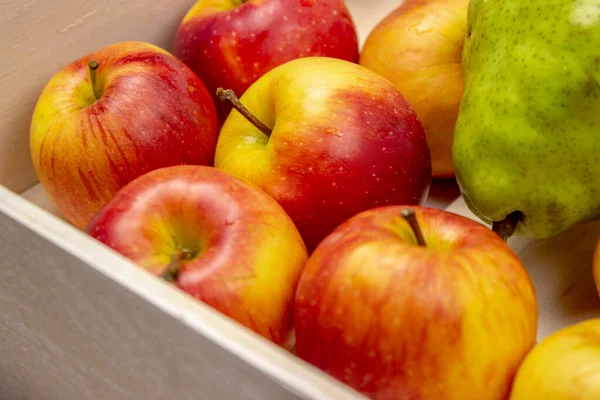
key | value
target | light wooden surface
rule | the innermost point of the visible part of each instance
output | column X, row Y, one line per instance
column 561, row 271
column 367, row 13
column 80, row 322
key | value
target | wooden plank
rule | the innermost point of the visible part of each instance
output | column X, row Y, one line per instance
column 561, row 270
column 80, row 322
column 366, row 14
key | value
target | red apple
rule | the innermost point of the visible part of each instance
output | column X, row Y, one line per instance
column 231, row 43
column 112, row 116
column 219, row 239
column 418, row 47
column 339, row 139
column 448, row 316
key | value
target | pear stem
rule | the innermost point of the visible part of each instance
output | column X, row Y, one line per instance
column 409, row 215
column 93, row 66
column 507, row 227
column 229, row 95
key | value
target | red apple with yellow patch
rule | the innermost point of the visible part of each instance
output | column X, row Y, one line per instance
column 416, row 303
column 113, row 115
column 327, row 139
column 232, row 43
column 218, row 238
column 418, row 47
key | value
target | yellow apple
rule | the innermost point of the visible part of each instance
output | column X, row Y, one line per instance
column 564, row 366
column 418, row 47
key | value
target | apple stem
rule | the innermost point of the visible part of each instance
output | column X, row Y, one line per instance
column 507, row 227
column 93, row 66
column 229, row 95
column 171, row 272
column 409, row 215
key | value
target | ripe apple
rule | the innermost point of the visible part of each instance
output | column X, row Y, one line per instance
column 113, row 115
column 216, row 237
column 563, row 366
column 335, row 139
column 596, row 266
column 416, row 303
column 419, row 48
column 231, row 43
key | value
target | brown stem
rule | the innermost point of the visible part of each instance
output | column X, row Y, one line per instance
column 93, row 66
column 409, row 215
column 507, row 227
column 229, row 95
column 171, row 271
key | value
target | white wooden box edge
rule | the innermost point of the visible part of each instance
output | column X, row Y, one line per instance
column 299, row 380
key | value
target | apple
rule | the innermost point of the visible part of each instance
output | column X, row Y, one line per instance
column 563, row 366
column 216, row 237
column 418, row 47
column 113, row 115
column 231, row 43
column 327, row 139
column 596, row 266
column 410, row 302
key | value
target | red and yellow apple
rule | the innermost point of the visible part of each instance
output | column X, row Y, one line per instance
column 418, row 47
column 416, row 303
column 113, row 115
column 338, row 139
column 563, row 366
column 231, row 43
column 216, row 237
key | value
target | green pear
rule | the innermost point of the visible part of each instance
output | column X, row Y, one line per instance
column 526, row 148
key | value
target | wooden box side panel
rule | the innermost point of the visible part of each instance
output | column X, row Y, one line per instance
column 78, row 321
column 70, row 333
column 38, row 38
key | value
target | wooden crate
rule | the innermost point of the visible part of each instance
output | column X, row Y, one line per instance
column 78, row 321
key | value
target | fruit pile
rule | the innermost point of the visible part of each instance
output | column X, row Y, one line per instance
column 270, row 168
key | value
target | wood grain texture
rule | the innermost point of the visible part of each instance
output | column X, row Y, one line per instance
column 80, row 322
column 37, row 38
column 561, row 271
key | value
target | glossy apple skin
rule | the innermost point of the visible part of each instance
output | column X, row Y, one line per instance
column 563, row 366
column 248, row 253
column 418, row 47
column 344, row 140
column 450, row 321
column 231, row 45
column 153, row 112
